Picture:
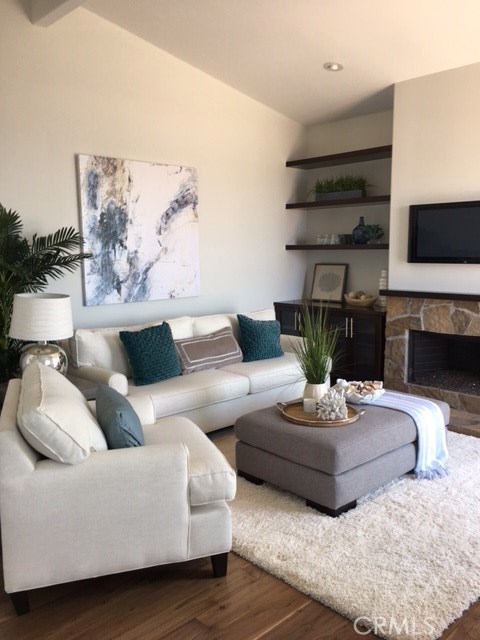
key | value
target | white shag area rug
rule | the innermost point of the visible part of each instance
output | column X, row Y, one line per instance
column 405, row 563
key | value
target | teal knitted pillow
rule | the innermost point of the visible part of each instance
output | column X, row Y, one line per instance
column 151, row 353
column 259, row 339
column 119, row 422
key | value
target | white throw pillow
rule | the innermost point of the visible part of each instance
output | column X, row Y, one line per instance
column 54, row 418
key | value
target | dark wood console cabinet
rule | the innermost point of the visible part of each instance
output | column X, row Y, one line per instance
column 361, row 340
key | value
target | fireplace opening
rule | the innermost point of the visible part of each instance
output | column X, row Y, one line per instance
column 444, row 361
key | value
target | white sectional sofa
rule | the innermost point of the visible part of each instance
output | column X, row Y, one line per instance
column 212, row 398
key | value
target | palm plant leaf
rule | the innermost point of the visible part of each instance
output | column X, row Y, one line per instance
column 63, row 240
column 10, row 224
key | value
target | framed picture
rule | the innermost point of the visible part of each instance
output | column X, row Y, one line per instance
column 329, row 282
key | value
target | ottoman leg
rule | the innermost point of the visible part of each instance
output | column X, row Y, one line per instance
column 333, row 513
column 249, row 477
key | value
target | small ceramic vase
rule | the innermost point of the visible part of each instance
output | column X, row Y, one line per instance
column 360, row 234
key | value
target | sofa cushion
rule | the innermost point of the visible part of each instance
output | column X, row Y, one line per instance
column 268, row 374
column 211, row 478
column 118, row 420
column 103, row 348
column 199, row 389
column 99, row 348
column 181, row 327
column 259, row 339
column 203, row 325
column 208, row 352
column 151, row 354
column 54, row 418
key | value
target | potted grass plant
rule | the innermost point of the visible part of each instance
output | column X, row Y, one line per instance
column 317, row 351
column 341, row 188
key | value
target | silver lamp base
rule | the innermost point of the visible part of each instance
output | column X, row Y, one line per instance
column 46, row 353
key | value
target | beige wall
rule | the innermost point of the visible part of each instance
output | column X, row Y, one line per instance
column 436, row 142
column 86, row 86
column 374, row 130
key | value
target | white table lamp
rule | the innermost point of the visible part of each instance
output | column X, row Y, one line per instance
column 42, row 317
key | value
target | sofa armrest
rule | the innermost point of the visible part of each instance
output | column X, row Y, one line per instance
column 117, row 381
column 17, row 458
column 117, row 511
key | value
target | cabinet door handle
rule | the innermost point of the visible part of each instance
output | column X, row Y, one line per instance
column 351, row 328
column 346, row 327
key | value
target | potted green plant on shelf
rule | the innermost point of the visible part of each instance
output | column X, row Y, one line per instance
column 26, row 267
column 316, row 351
column 340, row 188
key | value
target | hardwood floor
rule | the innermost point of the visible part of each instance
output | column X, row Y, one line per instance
column 175, row 602
column 184, row 602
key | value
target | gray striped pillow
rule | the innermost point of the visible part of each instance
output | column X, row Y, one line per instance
column 211, row 351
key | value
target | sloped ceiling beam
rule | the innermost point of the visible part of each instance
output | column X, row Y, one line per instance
column 46, row 12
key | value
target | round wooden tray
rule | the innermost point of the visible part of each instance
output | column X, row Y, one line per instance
column 294, row 413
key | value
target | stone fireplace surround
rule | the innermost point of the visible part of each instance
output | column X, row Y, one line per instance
column 444, row 313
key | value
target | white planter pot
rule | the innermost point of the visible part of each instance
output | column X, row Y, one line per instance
column 316, row 391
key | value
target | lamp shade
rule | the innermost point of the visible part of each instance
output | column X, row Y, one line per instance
column 41, row 317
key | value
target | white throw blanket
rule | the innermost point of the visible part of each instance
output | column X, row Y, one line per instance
column 432, row 453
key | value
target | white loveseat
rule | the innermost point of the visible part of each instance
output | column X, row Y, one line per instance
column 72, row 509
column 212, row 398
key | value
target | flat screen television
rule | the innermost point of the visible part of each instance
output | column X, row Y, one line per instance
column 447, row 232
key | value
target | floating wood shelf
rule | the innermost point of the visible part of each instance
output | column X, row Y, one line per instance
column 335, row 247
column 353, row 202
column 349, row 157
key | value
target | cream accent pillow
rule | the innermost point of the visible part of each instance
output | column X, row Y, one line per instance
column 54, row 418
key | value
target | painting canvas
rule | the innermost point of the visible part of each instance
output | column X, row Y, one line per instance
column 140, row 223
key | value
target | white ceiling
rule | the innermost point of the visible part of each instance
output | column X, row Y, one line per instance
column 274, row 50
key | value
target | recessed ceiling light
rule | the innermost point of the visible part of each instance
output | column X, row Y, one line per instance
column 333, row 66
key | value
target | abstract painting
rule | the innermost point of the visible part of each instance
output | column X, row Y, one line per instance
column 140, row 223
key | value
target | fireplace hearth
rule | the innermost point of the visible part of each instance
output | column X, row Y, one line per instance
column 433, row 347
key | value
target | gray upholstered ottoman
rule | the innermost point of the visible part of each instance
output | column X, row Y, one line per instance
column 331, row 467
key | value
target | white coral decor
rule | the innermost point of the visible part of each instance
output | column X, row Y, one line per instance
column 332, row 406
